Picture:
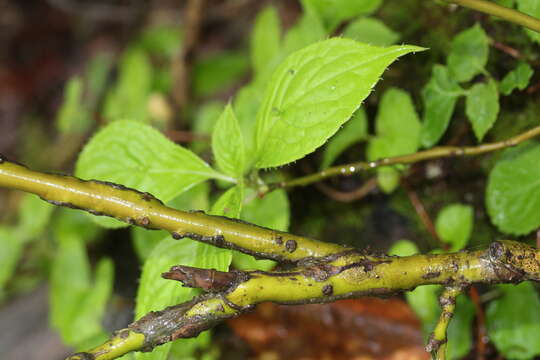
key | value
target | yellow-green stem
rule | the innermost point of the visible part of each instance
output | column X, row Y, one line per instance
column 491, row 8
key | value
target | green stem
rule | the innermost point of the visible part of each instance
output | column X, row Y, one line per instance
column 142, row 209
column 434, row 153
column 505, row 13
column 339, row 276
column 438, row 340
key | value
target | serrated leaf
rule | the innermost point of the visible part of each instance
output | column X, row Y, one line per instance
column 371, row 31
column 272, row 211
column 513, row 190
column 333, row 12
column 313, row 92
column 308, row 30
column 482, row 107
column 468, row 54
column 513, row 321
column 218, row 72
column 265, row 42
column 138, row 156
column 398, row 132
column 354, row 131
column 439, row 97
column 454, row 225
column 129, row 98
column 228, row 144
column 171, row 252
column 532, row 8
column 517, row 78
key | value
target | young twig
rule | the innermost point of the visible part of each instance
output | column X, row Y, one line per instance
column 492, row 8
column 433, row 153
column 438, row 339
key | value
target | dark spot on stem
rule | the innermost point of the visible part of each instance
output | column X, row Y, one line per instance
column 327, row 290
column 279, row 240
column 144, row 221
column 130, row 220
column 2, row 159
column 176, row 236
column 147, row 196
column 290, row 245
column 431, row 275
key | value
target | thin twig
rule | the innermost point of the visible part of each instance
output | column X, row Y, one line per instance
column 480, row 324
column 491, row 8
column 348, row 196
column 182, row 61
column 434, row 153
column 423, row 215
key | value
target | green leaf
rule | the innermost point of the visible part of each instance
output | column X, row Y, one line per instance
column 513, row 190
column 265, row 41
column 272, row 211
column 397, row 126
column 454, row 225
column 163, row 40
column 73, row 116
column 77, row 304
column 513, row 321
column 315, row 91
column 229, row 203
column 424, row 300
column 218, row 72
column 228, row 144
column 12, row 246
column 138, row 156
column 205, row 119
column 197, row 198
column 34, row 216
column 398, row 132
column 354, row 131
column 334, row 12
column 517, row 78
column 129, row 98
column 482, row 107
column 371, row 31
column 439, row 97
column 171, row 252
column 532, row 8
column 246, row 104
column 388, row 179
column 308, row 30
column 403, row 248
column 468, row 54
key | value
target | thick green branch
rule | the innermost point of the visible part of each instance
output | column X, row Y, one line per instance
column 143, row 209
column 434, row 153
column 346, row 275
column 491, row 8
